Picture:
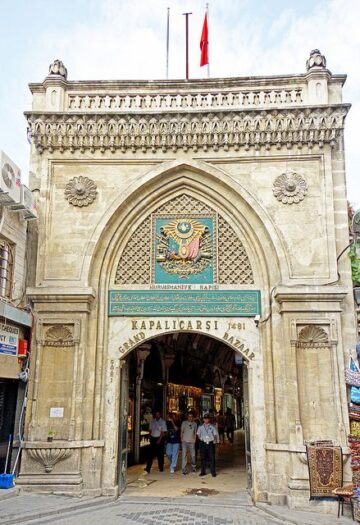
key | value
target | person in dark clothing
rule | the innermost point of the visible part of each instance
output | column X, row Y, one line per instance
column 230, row 425
column 208, row 436
column 157, row 438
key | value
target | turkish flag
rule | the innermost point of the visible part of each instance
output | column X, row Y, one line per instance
column 204, row 43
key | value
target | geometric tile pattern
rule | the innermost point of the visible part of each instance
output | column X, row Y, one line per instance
column 179, row 516
column 233, row 262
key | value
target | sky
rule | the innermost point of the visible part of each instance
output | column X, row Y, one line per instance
column 126, row 39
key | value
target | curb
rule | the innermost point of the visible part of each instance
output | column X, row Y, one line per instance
column 9, row 493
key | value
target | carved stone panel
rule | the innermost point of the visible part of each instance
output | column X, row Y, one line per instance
column 312, row 336
column 48, row 457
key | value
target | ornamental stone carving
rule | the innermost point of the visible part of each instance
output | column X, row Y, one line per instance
column 315, row 61
column 206, row 131
column 58, row 69
column 59, row 335
column 290, row 188
column 48, row 457
column 80, row 191
column 312, row 336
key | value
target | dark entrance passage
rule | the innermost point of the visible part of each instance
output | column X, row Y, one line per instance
column 180, row 373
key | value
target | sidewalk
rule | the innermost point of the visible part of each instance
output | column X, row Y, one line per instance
column 23, row 507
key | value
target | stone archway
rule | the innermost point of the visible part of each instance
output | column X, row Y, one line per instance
column 236, row 218
column 203, row 356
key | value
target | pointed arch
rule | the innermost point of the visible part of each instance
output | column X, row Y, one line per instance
column 206, row 183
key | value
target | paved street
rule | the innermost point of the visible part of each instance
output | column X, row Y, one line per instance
column 60, row 510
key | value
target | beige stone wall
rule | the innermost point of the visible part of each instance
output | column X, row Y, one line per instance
column 295, row 379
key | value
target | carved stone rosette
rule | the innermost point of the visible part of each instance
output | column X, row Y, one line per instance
column 80, row 191
column 290, row 188
column 48, row 457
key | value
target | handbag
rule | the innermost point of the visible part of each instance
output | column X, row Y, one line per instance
column 352, row 374
column 352, row 377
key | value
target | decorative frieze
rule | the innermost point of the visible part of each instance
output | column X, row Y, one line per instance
column 48, row 457
column 167, row 131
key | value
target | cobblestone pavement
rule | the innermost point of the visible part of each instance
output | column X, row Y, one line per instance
column 28, row 509
column 122, row 512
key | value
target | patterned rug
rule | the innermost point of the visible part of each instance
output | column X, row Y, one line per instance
column 325, row 470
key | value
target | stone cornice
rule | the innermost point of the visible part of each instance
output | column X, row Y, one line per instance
column 146, row 131
column 56, row 295
column 249, row 82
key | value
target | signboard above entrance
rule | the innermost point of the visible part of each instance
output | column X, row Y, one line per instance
column 216, row 303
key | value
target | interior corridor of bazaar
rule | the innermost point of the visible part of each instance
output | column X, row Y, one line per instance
column 230, row 482
column 179, row 373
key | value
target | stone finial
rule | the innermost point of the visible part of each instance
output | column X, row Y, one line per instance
column 58, row 69
column 315, row 61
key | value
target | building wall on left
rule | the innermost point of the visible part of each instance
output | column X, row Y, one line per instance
column 16, row 320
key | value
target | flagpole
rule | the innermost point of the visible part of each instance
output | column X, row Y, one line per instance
column 208, row 64
column 187, row 42
column 167, row 42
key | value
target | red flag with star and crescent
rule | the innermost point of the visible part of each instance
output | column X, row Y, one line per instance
column 204, row 43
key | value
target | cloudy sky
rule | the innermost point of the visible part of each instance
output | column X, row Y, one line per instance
column 125, row 39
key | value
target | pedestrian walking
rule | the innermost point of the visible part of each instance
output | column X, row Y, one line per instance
column 230, row 425
column 208, row 436
column 157, row 432
column 172, row 440
column 188, row 439
column 220, row 421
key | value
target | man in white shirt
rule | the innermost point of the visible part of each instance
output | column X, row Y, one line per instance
column 157, row 432
column 188, row 438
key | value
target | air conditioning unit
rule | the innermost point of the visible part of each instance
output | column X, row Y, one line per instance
column 26, row 204
column 10, row 181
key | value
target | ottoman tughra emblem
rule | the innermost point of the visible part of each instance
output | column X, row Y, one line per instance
column 80, row 191
column 184, row 247
column 290, row 188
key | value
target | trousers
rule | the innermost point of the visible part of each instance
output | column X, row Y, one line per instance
column 172, row 452
column 185, row 448
column 207, row 453
column 155, row 450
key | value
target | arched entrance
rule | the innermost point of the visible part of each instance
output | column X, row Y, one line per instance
column 184, row 372
column 141, row 297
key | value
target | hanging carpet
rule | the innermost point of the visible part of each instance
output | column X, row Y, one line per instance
column 325, row 470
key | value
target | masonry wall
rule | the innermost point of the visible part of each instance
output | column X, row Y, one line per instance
column 279, row 183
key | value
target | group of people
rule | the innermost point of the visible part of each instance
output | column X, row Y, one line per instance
column 191, row 435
